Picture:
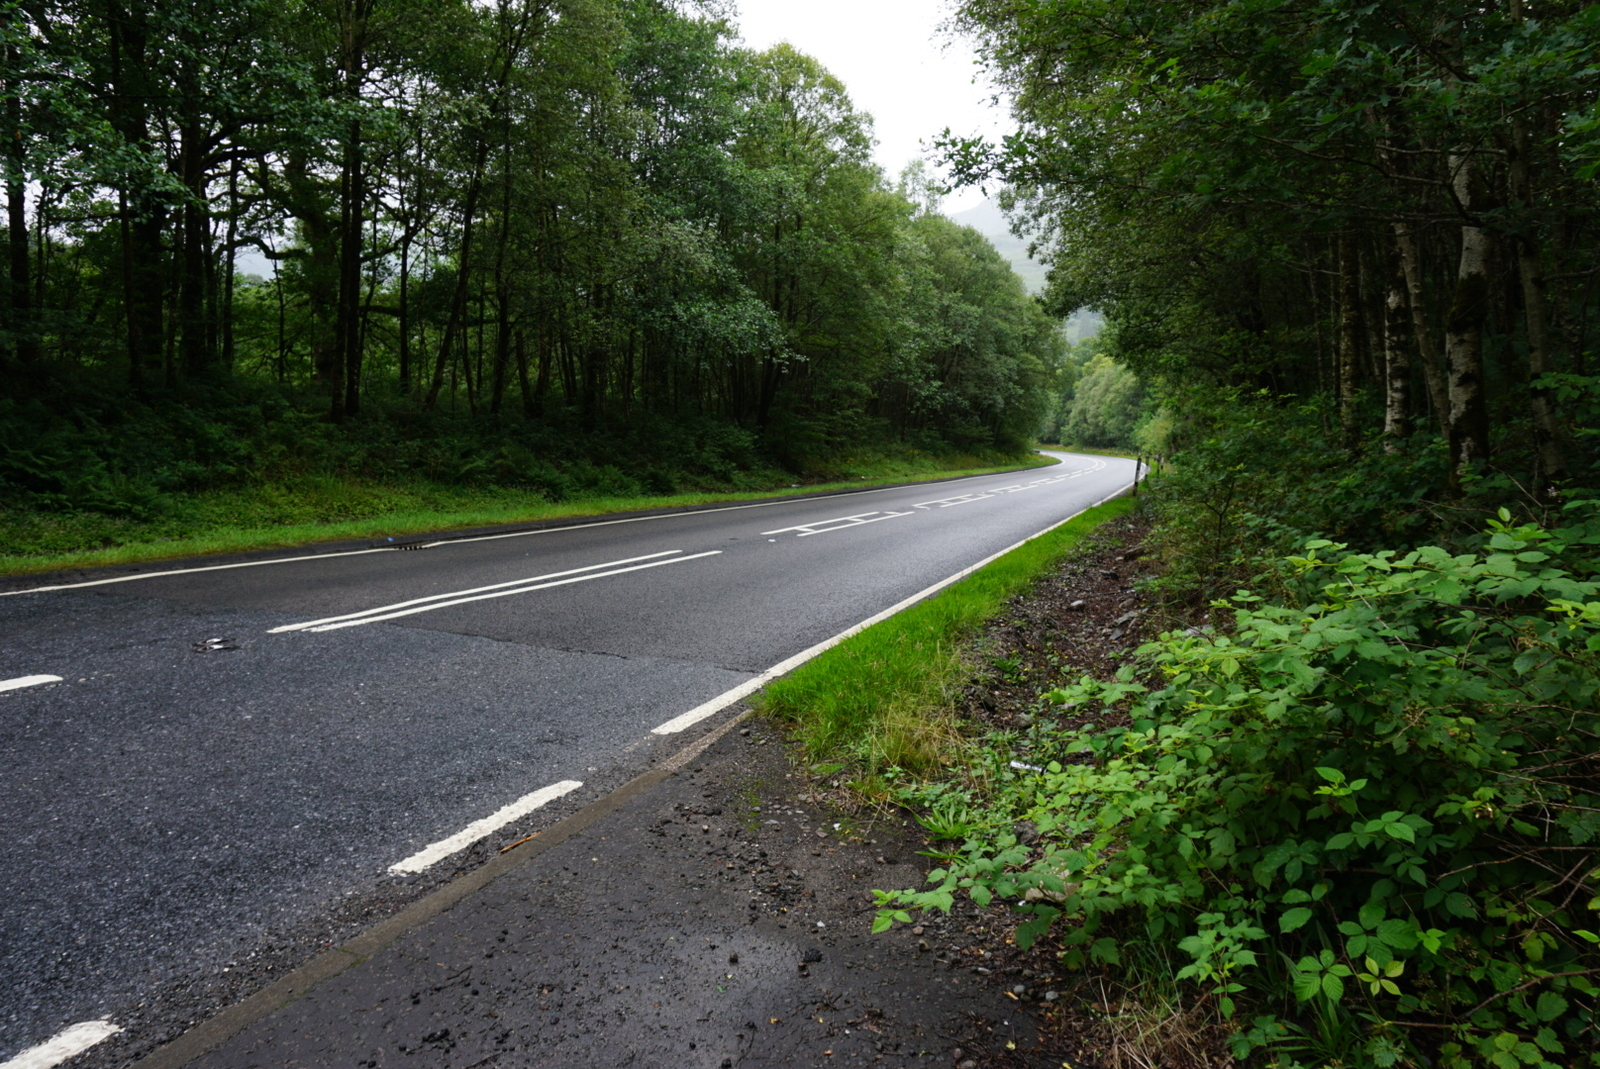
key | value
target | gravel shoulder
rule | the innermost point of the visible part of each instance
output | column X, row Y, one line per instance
column 721, row 918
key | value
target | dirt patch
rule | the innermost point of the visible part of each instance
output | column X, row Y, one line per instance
column 1085, row 617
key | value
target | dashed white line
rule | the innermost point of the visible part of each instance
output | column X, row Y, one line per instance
column 72, row 1041
column 18, row 684
column 478, row 829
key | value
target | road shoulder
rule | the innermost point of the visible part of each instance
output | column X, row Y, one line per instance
column 672, row 926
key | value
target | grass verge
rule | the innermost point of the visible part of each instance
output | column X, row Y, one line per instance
column 1092, row 450
column 326, row 509
column 882, row 698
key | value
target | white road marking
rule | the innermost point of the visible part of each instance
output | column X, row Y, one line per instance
column 839, row 524
column 750, row 686
column 984, row 495
column 478, row 829
column 73, row 1041
column 946, row 502
column 186, row 571
column 486, row 538
column 505, row 593
column 461, row 593
column 26, row 681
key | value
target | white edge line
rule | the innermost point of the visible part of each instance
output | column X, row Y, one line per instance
column 506, row 593
column 71, row 1041
column 490, row 538
column 478, row 829
column 18, row 684
column 187, row 571
column 462, row 593
column 750, row 686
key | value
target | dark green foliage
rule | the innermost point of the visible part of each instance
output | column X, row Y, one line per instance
column 1367, row 818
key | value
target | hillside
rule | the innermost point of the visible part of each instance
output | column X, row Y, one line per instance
column 988, row 220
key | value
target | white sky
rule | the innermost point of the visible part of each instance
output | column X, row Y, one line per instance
column 913, row 80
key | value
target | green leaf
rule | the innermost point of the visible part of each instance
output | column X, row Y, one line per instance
column 1551, row 1006
column 1294, row 918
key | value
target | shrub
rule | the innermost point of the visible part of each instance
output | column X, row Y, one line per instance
column 1370, row 816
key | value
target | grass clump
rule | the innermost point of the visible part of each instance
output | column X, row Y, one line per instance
column 882, row 699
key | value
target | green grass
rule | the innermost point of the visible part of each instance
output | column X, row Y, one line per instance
column 330, row 509
column 882, row 698
column 1091, row 450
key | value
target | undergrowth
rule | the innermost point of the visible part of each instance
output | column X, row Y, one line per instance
column 90, row 479
column 1359, row 824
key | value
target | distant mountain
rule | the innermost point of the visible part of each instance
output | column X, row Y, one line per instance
column 988, row 220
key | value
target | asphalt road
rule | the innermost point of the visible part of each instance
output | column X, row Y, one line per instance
column 232, row 754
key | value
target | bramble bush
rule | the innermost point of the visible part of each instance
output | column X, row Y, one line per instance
column 1367, row 821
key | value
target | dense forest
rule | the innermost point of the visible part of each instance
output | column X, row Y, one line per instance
column 1343, row 807
column 486, row 241
column 1389, row 207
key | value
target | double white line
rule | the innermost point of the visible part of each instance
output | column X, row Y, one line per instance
column 495, row 590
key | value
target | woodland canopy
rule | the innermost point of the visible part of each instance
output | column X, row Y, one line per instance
column 549, row 224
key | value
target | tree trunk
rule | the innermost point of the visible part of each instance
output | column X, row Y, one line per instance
column 141, row 213
column 352, row 187
column 1469, row 415
column 1535, row 308
column 1432, row 373
column 23, row 329
column 502, row 352
column 228, row 266
column 1396, row 354
column 1349, row 337
column 522, row 374
column 458, row 300
column 196, row 354
column 405, row 310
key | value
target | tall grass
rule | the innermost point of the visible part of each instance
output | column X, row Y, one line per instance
column 884, row 698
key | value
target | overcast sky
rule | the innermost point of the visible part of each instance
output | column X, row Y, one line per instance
column 913, row 80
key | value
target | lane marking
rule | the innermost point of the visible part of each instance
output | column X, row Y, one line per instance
column 478, row 829
column 460, row 593
column 186, row 571
column 750, row 686
column 26, row 681
column 985, row 495
column 839, row 524
column 504, row 593
column 490, row 538
column 71, row 1042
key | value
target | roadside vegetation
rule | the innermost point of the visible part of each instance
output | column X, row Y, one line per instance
column 881, row 702
column 161, row 482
